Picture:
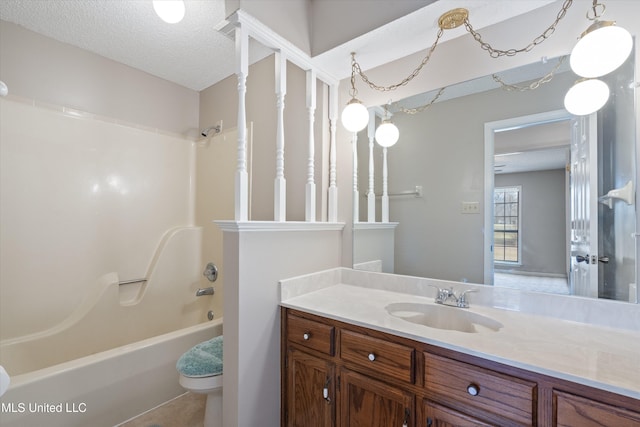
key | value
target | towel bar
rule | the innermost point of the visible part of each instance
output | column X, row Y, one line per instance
column 128, row 282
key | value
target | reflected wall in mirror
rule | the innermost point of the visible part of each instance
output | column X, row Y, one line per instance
column 527, row 183
column 442, row 149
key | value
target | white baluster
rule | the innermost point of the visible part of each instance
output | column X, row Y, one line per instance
column 371, row 197
column 356, row 194
column 332, row 214
column 241, row 179
column 280, row 185
column 310, row 193
column 385, row 194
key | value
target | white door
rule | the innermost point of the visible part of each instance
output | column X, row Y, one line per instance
column 584, row 207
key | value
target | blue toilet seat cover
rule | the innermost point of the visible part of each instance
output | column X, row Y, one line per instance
column 202, row 360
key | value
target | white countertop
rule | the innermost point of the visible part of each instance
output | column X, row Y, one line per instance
column 598, row 356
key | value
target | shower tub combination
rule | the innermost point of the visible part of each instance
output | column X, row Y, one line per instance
column 115, row 357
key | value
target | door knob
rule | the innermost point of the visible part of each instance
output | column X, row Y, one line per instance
column 604, row 259
column 581, row 258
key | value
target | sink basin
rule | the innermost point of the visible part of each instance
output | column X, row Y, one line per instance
column 443, row 317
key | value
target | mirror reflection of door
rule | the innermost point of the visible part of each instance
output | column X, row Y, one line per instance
column 531, row 190
column 583, row 271
column 568, row 234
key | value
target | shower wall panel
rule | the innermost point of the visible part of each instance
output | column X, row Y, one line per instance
column 80, row 196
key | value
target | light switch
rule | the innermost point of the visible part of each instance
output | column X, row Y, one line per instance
column 470, row 207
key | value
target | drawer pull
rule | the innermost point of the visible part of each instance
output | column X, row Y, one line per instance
column 325, row 391
column 306, row 336
column 473, row 389
column 407, row 415
column 372, row 357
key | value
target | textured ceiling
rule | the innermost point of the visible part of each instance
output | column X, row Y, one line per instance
column 192, row 53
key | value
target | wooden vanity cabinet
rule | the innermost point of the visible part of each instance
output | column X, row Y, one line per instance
column 310, row 390
column 570, row 410
column 325, row 382
column 309, row 386
column 500, row 399
column 440, row 416
column 336, row 374
column 368, row 402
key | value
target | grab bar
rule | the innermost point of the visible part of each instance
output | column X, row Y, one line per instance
column 417, row 192
column 128, row 282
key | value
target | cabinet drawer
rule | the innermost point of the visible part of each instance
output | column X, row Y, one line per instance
column 311, row 334
column 453, row 383
column 379, row 356
column 572, row 410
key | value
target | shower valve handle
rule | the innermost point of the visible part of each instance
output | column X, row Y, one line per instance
column 211, row 272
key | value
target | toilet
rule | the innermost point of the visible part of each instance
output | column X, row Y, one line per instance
column 200, row 370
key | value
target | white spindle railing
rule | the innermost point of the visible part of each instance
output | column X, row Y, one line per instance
column 356, row 194
column 371, row 196
column 244, row 26
column 385, row 193
column 310, row 193
column 242, row 179
column 280, row 185
column 333, row 127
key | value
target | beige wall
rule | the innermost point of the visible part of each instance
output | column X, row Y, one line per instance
column 442, row 149
column 543, row 221
column 43, row 69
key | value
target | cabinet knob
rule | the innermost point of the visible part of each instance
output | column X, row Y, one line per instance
column 372, row 357
column 306, row 336
column 473, row 389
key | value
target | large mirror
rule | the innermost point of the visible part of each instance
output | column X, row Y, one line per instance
column 500, row 185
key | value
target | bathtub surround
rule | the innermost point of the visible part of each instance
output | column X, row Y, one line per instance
column 68, row 178
column 111, row 360
column 107, row 388
column 103, row 321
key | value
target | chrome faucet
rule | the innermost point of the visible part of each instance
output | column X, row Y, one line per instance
column 204, row 291
column 448, row 297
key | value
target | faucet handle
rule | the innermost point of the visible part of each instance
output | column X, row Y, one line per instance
column 440, row 294
column 462, row 299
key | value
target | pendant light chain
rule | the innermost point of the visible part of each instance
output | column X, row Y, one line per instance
column 454, row 22
column 356, row 68
column 496, row 53
column 594, row 9
column 532, row 86
column 353, row 91
column 421, row 108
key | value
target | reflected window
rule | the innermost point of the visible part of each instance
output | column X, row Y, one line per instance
column 506, row 228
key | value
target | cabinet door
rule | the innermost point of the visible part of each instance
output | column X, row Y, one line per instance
column 572, row 410
column 310, row 391
column 440, row 416
column 370, row 403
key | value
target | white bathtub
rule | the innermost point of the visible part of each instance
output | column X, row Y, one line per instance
column 115, row 356
column 103, row 389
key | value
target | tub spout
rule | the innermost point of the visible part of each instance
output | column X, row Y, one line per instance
column 204, row 291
